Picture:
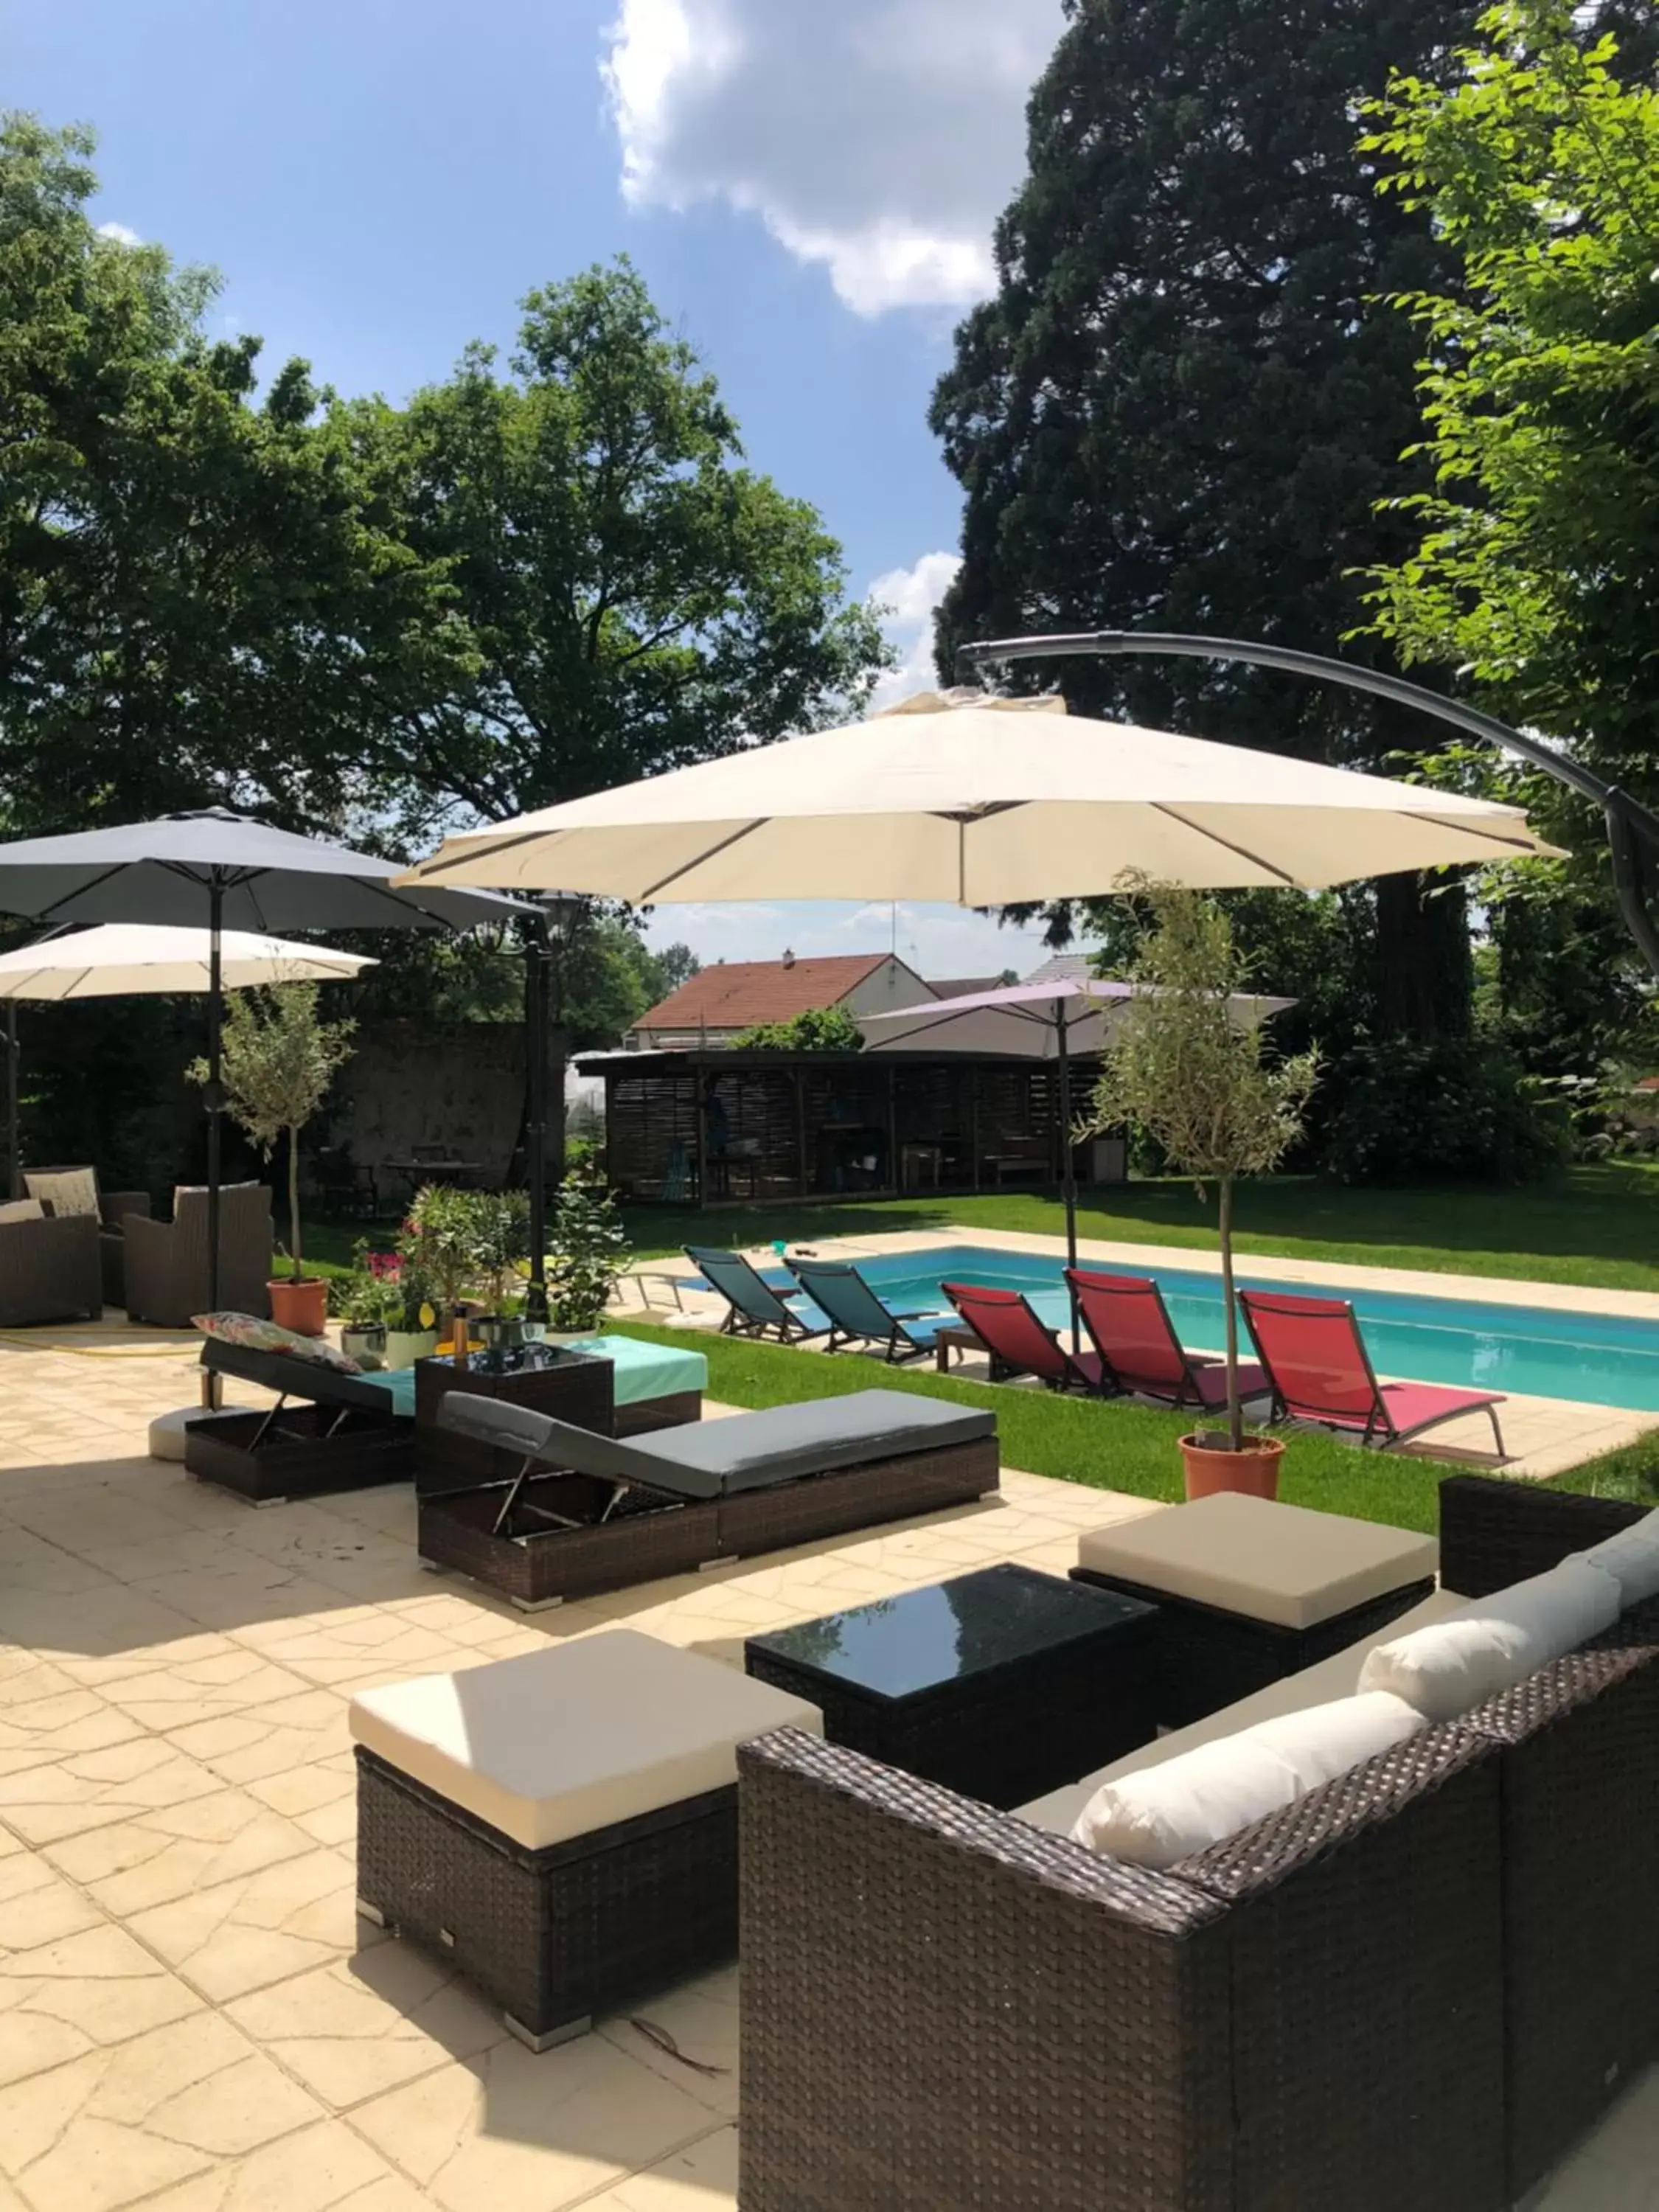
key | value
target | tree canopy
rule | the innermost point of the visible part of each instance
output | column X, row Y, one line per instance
column 1187, row 403
column 1535, row 561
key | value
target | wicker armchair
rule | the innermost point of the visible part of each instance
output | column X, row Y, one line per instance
column 114, row 1206
column 49, row 1271
column 167, row 1262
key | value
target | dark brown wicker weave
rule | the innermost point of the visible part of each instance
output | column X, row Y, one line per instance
column 652, row 1538
column 304, row 1451
column 672, row 1410
column 50, row 1271
column 113, row 1207
column 554, row 1936
column 165, row 1263
column 1494, row 1533
column 944, row 2007
column 1209, row 1657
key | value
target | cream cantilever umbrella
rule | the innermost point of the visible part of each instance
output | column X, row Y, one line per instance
column 130, row 959
column 979, row 801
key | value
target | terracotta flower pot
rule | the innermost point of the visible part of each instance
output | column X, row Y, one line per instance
column 1254, row 1470
column 301, row 1306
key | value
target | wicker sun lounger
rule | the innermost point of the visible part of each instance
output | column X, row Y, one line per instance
column 589, row 1512
column 340, row 1434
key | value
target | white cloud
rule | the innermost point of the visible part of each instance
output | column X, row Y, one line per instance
column 910, row 596
column 880, row 138
column 120, row 232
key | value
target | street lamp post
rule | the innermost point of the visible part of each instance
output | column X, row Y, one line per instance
column 1632, row 828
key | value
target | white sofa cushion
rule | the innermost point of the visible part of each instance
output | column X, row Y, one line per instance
column 1335, row 1677
column 1493, row 1643
column 1631, row 1557
column 73, row 1191
column 1168, row 1812
column 22, row 1209
column 1283, row 1564
column 577, row 1737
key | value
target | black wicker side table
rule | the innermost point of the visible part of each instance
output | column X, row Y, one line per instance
column 576, row 1387
column 1002, row 1685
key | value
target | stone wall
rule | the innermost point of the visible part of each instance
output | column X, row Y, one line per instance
column 409, row 1084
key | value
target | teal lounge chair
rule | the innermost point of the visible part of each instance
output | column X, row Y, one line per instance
column 753, row 1307
column 857, row 1315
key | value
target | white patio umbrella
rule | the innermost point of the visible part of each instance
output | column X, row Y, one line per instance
column 980, row 801
column 135, row 959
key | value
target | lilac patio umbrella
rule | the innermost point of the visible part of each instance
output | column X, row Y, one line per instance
column 1050, row 1020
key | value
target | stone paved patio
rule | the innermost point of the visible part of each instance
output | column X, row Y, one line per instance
column 192, row 2017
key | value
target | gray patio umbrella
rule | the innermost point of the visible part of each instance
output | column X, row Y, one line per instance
column 1050, row 1020
column 229, row 872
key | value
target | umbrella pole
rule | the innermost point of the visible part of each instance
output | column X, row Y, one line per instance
column 13, row 1158
column 1069, row 1165
column 535, row 1133
column 215, row 1096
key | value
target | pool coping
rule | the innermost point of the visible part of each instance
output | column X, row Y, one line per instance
column 1568, row 1431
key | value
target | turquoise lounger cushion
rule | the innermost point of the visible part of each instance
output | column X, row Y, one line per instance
column 642, row 1370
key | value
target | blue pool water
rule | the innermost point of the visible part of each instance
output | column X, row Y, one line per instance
column 1601, row 1359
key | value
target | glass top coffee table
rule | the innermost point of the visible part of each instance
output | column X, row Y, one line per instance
column 1003, row 1685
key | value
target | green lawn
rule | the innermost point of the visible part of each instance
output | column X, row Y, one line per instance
column 1112, row 1447
column 1593, row 1225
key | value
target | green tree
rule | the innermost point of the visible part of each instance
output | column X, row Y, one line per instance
column 819, row 1029
column 1202, row 1085
column 201, row 595
column 639, row 597
column 279, row 1059
column 1534, row 565
column 1186, row 401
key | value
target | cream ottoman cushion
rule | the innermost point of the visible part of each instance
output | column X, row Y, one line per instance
column 1168, row 1812
column 577, row 1737
column 1492, row 1642
column 1284, row 1565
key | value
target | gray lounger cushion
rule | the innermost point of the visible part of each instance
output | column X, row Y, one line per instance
column 741, row 1451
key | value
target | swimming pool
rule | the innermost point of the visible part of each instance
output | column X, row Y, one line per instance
column 1601, row 1359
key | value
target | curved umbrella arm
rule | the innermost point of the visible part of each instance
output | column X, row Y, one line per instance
column 1632, row 828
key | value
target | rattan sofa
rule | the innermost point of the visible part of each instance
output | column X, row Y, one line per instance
column 1419, row 1986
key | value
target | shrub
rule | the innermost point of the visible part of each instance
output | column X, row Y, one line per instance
column 589, row 1252
column 1453, row 1111
column 820, row 1029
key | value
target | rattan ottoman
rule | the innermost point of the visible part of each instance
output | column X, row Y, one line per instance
column 562, row 1827
column 1249, row 1591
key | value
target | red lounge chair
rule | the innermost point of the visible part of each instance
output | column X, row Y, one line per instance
column 1320, row 1371
column 1020, row 1344
column 1129, row 1326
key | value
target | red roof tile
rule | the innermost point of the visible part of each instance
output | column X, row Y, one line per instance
column 741, row 992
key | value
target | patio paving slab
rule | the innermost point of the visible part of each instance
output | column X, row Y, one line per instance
column 192, row 2018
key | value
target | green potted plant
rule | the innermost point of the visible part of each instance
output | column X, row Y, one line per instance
column 412, row 1334
column 589, row 1252
column 443, row 1240
column 1180, row 1064
column 278, row 1058
column 502, row 1220
column 370, row 1302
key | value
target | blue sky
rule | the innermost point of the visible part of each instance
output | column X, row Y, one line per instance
column 808, row 188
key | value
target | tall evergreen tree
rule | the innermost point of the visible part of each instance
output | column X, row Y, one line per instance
column 1188, row 398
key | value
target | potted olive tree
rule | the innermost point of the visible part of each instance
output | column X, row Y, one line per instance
column 279, row 1058
column 1180, row 1063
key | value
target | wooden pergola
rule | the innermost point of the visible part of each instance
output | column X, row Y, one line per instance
column 714, row 1127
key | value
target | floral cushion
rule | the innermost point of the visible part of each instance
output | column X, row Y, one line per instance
column 74, row 1191
column 256, row 1335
